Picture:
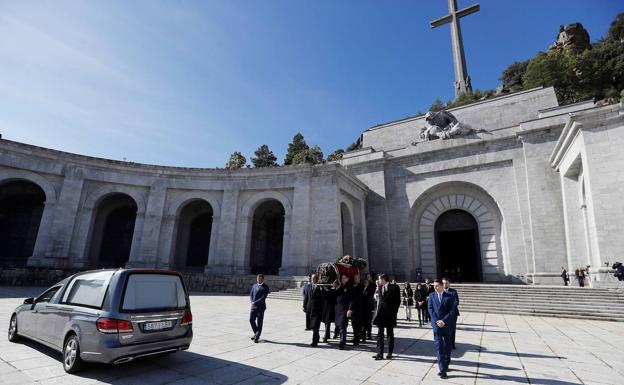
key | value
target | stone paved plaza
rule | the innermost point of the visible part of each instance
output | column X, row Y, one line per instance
column 491, row 349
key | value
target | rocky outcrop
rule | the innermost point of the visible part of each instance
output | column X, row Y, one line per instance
column 572, row 38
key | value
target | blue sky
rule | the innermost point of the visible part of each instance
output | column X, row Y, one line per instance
column 188, row 82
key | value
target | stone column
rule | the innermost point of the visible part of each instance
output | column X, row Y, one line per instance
column 222, row 257
column 43, row 235
column 295, row 255
column 147, row 255
column 57, row 252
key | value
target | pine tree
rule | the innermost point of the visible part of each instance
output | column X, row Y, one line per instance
column 237, row 160
column 335, row 155
column 264, row 157
column 298, row 146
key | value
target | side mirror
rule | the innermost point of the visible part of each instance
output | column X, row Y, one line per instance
column 29, row 301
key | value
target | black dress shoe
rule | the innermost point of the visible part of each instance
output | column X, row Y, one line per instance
column 377, row 357
column 341, row 347
column 253, row 338
column 389, row 356
column 443, row 375
column 314, row 344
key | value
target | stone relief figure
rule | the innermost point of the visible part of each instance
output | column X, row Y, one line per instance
column 443, row 125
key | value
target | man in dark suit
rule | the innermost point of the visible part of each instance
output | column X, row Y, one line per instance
column 314, row 308
column 368, row 305
column 344, row 307
column 442, row 310
column 306, row 289
column 453, row 292
column 257, row 297
column 388, row 303
column 357, row 308
column 428, row 290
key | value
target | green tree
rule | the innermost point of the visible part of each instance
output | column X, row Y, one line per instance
column 335, row 155
column 264, row 157
column 315, row 155
column 237, row 160
column 554, row 69
column 512, row 76
column 297, row 146
column 616, row 30
column 437, row 105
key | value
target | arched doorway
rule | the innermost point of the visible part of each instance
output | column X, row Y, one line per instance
column 457, row 246
column 21, row 207
column 267, row 238
column 346, row 224
column 112, row 231
column 193, row 237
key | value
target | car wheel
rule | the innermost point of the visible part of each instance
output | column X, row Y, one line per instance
column 71, row 355
column 13, row 336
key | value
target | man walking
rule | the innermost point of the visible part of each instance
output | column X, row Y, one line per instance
column 368, row 305
column 257, row 297
column 314, row 309
column 564, row 276
column 441, row 308
column 453, row 292
column 388, row 303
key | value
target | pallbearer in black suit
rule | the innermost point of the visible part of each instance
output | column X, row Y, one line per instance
column 453, row 292
column 329, row 313
column 368, row 305
column 306, row 290
column 428, row 290
column 344, row 304
column 442, row 310
column 357, row 308
column 388, row 303
column 314, row 307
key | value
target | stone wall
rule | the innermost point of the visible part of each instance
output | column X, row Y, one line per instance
column 233, row 284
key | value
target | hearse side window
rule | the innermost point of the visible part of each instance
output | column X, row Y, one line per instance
column 153, row 292
column 88, row 289
column 45, row 297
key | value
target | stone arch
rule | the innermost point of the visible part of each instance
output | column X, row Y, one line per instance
column 193, row 234
column 95, row 197
column 47, row 216
column 246, row 219
column 113, row 230
column 472, row 199
column 42, row 182
column 347, row 228
column 22, row 203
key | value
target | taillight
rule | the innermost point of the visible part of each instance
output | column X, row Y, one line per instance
column 109, row 325
column 187, row 319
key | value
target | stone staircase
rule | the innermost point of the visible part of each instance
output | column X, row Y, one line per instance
column 544, row 301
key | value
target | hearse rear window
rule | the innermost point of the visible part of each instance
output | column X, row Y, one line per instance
column 153, row 292
column 88, row 289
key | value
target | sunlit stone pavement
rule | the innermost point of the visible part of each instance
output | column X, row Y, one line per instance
column 494, row 349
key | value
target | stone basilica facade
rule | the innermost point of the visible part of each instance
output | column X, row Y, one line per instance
column 540, row 188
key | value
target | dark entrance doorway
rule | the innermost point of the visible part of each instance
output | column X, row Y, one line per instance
column 113, row 229
column 21, row 207
column 267, row 237
column 457, row 247
column 193, row 239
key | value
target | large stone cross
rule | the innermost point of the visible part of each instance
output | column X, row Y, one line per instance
column 462, row 80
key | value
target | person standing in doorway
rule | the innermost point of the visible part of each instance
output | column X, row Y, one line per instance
column 441, row 308
column 257, row 297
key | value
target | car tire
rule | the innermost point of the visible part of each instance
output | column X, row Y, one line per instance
column 12, row 333
column 72, row 362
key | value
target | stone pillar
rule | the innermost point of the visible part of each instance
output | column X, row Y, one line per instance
column 222, row 257
column 295, row 255
column 43, row 235
column 57, row 250
column 147, row 255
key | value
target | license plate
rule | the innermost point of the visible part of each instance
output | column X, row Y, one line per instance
column 157, row 325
